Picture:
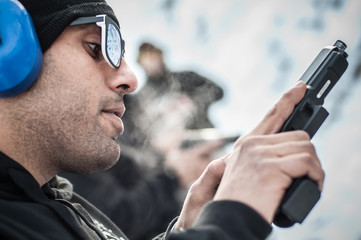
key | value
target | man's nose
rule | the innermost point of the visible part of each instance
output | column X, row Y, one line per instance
column 123, row 79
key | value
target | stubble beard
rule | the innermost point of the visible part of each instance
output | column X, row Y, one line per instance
column 58, row 130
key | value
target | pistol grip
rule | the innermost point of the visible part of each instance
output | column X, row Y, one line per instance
column 303, row 193
column 297, row 202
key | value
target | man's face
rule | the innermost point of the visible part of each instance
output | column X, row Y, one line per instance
column 72, row 113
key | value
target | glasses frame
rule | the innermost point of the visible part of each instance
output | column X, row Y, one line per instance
column 104, row 22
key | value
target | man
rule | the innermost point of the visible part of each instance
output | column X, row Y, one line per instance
column 69, row 120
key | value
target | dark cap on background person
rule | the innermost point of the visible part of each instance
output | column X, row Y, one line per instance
column 51, row 17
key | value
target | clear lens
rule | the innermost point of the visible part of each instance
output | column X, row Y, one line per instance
column 114, row 45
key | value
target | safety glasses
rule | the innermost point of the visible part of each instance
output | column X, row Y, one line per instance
column 112, row 43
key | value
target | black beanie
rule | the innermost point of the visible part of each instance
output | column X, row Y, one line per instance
column 51, row 17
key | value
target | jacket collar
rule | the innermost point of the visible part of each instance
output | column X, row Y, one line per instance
column 12, row 172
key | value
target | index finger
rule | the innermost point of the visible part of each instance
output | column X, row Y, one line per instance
column 276, row 117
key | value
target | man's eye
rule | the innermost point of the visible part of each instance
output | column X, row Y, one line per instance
column 95, row 49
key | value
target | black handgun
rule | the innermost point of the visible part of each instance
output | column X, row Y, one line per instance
column 308, row 115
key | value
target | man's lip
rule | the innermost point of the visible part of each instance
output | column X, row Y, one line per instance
column 114, row 114
column 118, row 111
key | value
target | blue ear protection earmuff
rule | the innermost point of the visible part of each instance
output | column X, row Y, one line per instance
column 20, row 51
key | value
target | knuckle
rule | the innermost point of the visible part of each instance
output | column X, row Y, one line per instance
column 193, row 192
column 250, row 142
column 302, row 134
column 211, row 167
column 194, row 188
column 307, row 159
column 280, row 111
column 273, row 111
column 309, row 148
column 287, row 96
column 239, row 141
column 312, row 148
column 215, row 168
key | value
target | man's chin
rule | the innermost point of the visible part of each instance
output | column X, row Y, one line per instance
column 107, row 160
column 103, row 165
column 112, row 160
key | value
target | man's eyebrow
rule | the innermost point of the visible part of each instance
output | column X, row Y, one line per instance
column 86, row 26
column 90, row 28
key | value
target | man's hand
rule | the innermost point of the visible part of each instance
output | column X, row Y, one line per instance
column 201, row 192
column 260, row 168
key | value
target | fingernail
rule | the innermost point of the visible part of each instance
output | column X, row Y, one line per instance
column 300, row 83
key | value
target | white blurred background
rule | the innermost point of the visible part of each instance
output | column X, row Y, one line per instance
column 256, row 50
